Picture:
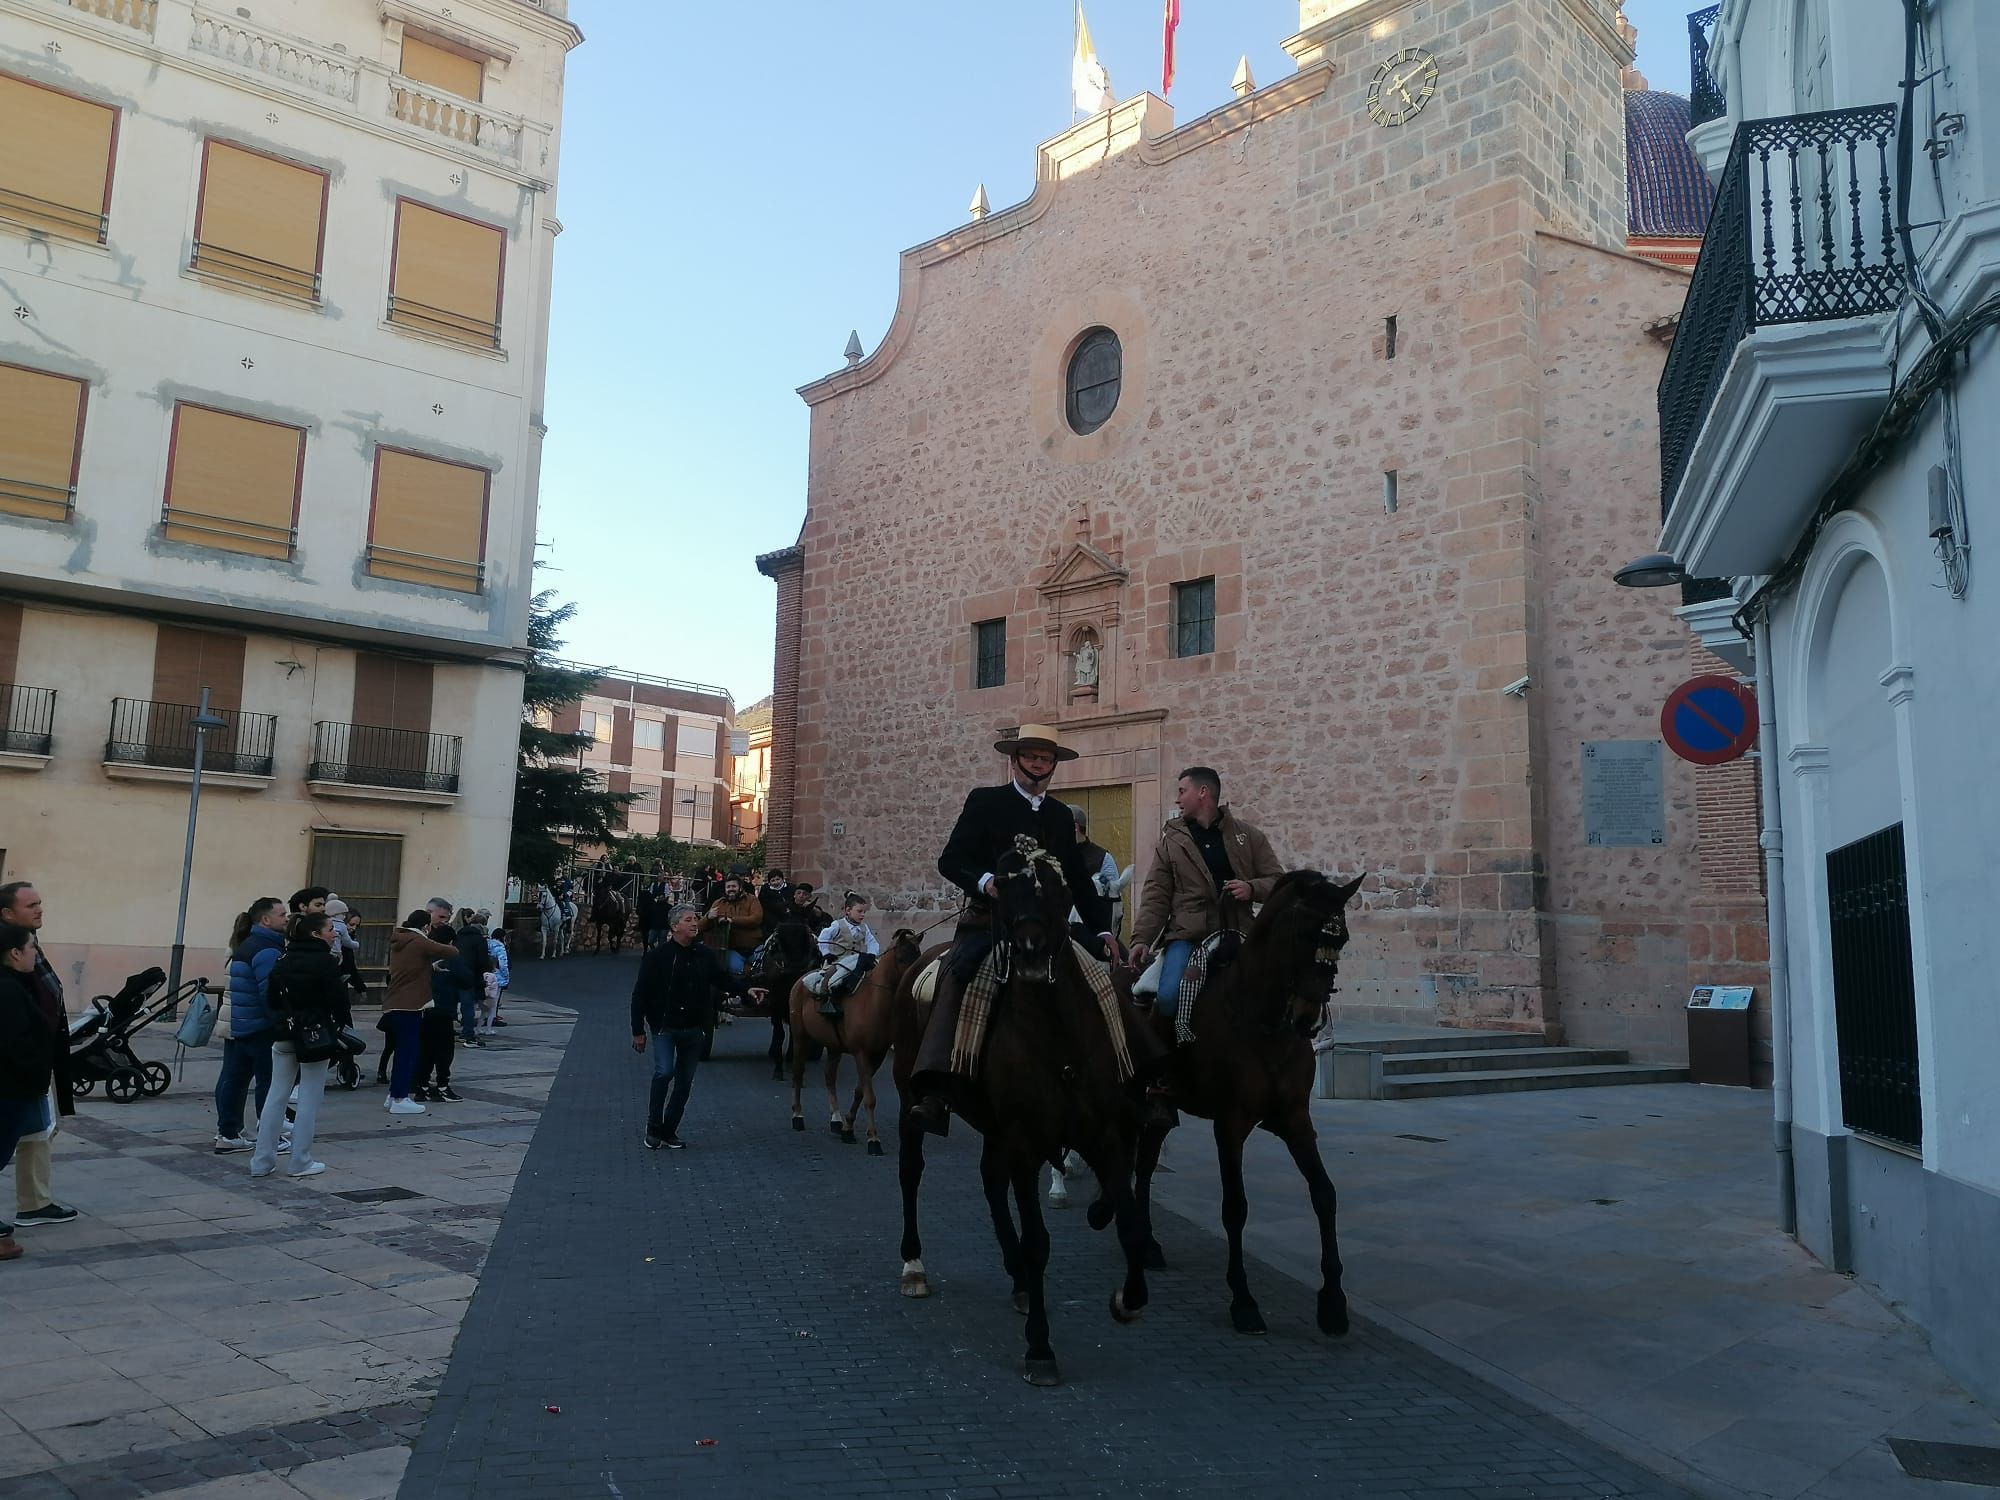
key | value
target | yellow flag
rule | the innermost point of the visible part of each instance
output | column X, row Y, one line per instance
column 1090, row 85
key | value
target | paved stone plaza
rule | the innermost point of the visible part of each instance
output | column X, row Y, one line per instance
column 724, row 1321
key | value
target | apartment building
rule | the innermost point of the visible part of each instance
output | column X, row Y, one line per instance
column 276, row 293
column 672, row 742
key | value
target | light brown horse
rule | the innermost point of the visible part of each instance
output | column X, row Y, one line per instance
column 1251, row 1064
column 864, row 1029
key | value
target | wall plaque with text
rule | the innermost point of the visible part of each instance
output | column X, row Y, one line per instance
column 1624, row 794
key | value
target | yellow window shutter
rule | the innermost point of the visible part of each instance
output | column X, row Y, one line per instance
column 427, row 62
column 447, row 276
column 41, row 420
column 260, row 221
column 233, row 482
column 55, row 160
column 429, row 521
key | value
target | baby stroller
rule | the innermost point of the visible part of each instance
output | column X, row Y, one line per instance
column 100, row 1040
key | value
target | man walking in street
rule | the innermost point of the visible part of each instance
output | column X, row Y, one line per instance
column 34, row 1204
column 674, row 1001
column 1207, row 869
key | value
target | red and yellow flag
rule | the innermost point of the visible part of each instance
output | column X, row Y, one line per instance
column 1173, row 19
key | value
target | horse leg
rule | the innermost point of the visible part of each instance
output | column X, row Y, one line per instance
column 993, row 1178
column 840, row 1124
column 1235, row 1214
column 1147, row 1162
column 1040, row 1366
column 798, row 1074
column 1303, row 1142
column 909, row 1175
column 864, row 1094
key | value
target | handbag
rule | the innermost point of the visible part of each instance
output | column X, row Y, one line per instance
column 315, row 1038
column 197, row 1028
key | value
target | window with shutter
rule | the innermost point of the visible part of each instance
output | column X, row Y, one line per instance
column 55, row 161
column 262, row 221
column 41, row 443
column 185, row 662
column 392, row 715
column 425, row 61
column 428, row 521
column 233, row 482
column 446, row 275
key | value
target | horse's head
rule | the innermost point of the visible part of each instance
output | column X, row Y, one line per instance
column 904, row 947
column 1031, row 908
column 1297, row 939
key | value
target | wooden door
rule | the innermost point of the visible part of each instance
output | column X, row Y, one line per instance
column 1109, row 812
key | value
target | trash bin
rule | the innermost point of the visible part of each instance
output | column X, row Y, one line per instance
column 1719, row 1035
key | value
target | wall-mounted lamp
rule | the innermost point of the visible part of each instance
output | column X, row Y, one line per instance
column 1655, row 570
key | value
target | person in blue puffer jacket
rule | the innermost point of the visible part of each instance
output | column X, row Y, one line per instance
column 254, row 947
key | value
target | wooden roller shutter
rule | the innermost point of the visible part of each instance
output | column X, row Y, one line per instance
column 261, row 220
column 55, row 160
column 233, row 482
column 429, row 521
column 427, row 62
column 10, row 639
column 392, row 692
column 447, row 274
column 41, row 442
column 186, row 661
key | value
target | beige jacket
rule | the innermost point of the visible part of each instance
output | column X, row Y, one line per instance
column 410, row 957
column 1180, row 899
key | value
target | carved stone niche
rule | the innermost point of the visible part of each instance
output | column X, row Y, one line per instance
column 1082, row 602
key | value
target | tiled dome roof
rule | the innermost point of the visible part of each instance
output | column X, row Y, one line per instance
column 1666, row 191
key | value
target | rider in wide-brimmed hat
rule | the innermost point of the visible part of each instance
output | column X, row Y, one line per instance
column 992, row 818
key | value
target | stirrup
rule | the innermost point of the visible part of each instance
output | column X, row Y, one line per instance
column 933, row 1114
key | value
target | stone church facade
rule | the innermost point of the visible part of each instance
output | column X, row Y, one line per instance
column 1380, row 426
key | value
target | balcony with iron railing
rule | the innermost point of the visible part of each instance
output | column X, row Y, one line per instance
column 393, row 765
column 27, row 726
column 156, row 742
column 1706, row 100
column 1778, row 364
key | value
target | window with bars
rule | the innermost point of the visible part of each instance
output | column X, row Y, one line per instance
column 41, row 442
column 233, row 482
column 989, row 653
column 428, row 521
column 55, row 161
column 445, row 276
column 261, row 222
column 1874, row 988
column 1193, row 624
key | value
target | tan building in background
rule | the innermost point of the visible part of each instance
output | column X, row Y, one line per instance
column 753, row 772
column 270, row 428
column 1300, row 440
column 672, row 742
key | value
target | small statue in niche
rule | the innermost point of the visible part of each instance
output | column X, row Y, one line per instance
column 1085, row 670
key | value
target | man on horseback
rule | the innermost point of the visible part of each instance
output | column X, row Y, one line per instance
column 1207, row 869
column 992, row 818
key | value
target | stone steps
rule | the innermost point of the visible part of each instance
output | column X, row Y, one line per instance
column 1432, row 1062
column 1499, row 1059
column 1438, row 1085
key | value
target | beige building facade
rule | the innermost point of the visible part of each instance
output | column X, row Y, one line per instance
column 1299, row 440
column 270, row 429
column 670, row 742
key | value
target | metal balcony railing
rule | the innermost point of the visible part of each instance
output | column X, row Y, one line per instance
column 27, row 719
column 54, row 218
column 444, row 323
column 144, row 733
column 251, row 271
column 1803, row 231
column 398, row 759
column 425, row 567
column 1706, row 100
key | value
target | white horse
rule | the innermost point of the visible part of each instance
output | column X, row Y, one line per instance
column 555, row 936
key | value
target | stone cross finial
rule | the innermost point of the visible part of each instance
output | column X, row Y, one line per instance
column 853, row 349
column 1243, row 83
column 980, row 207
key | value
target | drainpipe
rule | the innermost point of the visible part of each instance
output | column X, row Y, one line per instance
column 1771, row 838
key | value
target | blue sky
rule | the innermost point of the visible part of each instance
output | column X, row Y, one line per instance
column 737, row 181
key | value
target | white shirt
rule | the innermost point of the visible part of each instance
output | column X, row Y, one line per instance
column 843, row 936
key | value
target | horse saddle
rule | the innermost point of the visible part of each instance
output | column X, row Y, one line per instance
column 1215, row 950
column 925, row 989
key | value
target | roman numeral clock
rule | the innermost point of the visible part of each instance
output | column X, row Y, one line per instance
column 1401, row 86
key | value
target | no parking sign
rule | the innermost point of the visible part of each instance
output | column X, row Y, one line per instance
column 1709, row 720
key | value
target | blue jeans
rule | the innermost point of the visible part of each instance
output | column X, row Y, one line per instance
column 243, row 1058
column 1173, row 964
column 405, row 1050
column 468, row 1013
column 676, row 1054
column 739, row 963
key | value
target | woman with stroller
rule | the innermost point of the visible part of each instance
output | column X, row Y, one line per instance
column 254, row 946
column 29, row 1043
column 305, row 985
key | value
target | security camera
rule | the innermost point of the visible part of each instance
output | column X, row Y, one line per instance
column 1518, row 688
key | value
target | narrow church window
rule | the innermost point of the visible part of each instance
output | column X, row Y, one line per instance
column 989, row 653
column 1389, row 337
column 1193, row 623
column 1096, row 371
column 1389, row 492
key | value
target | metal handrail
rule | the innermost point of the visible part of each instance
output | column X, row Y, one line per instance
column 180, row 518
column 27, row 719
column 425, row 562
column 98, row 224
column 145, row 733
column 1706, row 100
column 373, row 755
column 61, row 501
column 443, row 321
column 235, row 265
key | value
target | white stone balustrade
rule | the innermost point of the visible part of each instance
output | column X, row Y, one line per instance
column 138, row 14
column 277, row 56
column 456, row 119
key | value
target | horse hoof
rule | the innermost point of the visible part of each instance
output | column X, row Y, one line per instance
column 1247, row 1319
column 874, row 1148
column 847, row 1138
column 1152, row 1257
column 1042, row 1372
column 834, row 1127
column 915, row 1284
column 1332, row 1315
column 1099, row 1214
column 1120, row 1312
column 1021, row 1303
column 797, row 1123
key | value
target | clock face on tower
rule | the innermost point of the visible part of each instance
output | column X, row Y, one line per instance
column 1402, row 86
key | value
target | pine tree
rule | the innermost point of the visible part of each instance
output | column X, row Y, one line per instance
column 557, row 804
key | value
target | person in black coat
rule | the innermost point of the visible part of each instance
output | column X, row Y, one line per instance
column 674, row 1001
column 30, row 1043
column 305, row 985
column 993, row 816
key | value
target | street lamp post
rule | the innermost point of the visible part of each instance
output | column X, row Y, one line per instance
column 202, row 723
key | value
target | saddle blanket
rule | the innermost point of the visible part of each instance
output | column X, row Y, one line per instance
column 1193, row 977
column 976, row 1010
column 837, row 976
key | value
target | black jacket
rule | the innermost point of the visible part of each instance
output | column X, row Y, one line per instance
column 986, row 829
column 776, row 901
column 677, row 988
column 29, row 1044
column 306, row 981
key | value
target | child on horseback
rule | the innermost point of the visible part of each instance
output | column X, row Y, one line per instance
column 850, row 948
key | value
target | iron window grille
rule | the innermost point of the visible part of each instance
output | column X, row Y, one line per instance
column 989, row 654
column 444, row 572
column 1874, row 988
column 37, row 502
column 251, row 271
column 39, row 214
column 1706, row 100
column 1096, row 375
column 408, row 760
column 175, row 518
column 459, row 327
column 1194, row 617
column 27, row 719
column 144, row 733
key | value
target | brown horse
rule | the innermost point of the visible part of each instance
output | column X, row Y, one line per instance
column 1251, row 1064
column 864, row 1029
column 788, row 955
column 608, row 914
column 1048, row 1078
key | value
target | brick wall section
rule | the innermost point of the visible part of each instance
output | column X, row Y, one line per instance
column 786, row 568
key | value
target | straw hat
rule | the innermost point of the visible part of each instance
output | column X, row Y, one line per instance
column 1035, row 737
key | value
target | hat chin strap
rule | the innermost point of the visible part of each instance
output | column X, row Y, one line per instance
column 1022, row 772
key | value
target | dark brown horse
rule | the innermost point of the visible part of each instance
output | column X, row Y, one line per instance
column 1251, row 1064
column 1048, row 1078
column 788, row 955
column 609, row 914
column 864, row 1029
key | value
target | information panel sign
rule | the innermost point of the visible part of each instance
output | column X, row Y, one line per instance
column 1624, row 794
